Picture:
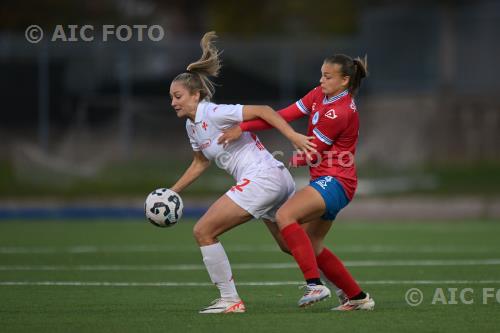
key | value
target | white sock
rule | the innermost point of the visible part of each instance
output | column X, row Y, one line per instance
column 219, row 269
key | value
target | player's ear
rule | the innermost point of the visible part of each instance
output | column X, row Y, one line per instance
column 345, row 80
column 196, row 95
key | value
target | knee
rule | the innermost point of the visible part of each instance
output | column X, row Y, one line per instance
column 317, row 246
column 197, row 232
column 202, row 235
column 283, row 217
column 318, row 250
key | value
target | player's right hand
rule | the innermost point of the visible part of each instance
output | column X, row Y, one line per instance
column 303, row 143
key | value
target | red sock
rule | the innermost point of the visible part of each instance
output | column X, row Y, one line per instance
column 300, row 246
column 335, row 271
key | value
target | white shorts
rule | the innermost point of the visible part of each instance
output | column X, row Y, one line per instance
column 262, row 193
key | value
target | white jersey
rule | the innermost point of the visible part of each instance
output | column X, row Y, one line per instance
column 244, row 156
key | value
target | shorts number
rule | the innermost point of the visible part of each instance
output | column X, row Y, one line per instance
column 240, row 186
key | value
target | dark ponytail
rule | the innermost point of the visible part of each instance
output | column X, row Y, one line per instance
column 356, row 69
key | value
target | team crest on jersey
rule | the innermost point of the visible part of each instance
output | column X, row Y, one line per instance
column 331, row 114
column 314, row 107
column 315, row 118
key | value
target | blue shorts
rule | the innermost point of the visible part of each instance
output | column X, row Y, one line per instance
column 333, row 193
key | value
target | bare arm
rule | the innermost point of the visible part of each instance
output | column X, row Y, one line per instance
column 193, row 172
column 290, row 113
column 267, row 114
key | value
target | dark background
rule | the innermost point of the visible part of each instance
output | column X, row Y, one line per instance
column 93, row 119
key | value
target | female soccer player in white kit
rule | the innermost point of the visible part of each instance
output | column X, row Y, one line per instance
column 263, row 184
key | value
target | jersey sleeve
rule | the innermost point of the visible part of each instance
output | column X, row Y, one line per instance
column 225, row 116
column 305, row 103
column 190, row 129
column 289, row 113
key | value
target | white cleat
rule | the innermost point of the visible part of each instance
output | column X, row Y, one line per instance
column 221, row 305
column 366, row 303
column 314, row 293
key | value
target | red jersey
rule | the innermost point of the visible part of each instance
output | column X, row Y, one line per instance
column 335, row 124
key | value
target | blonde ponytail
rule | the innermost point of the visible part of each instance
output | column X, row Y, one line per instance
column 198, row 72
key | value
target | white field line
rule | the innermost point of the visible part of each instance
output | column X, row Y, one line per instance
column 248, row 266
column 207, row 284
column 83, row 249
column 127, row 249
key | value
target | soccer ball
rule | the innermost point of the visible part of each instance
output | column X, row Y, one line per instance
column 163, row 207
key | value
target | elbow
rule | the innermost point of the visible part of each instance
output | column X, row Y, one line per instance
column 205, row 164
column 201, row 164
column 264, row 110
column 267, row 108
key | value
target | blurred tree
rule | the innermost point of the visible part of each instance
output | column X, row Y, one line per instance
column 297, row 17
column 17, row 15
column 244, row 17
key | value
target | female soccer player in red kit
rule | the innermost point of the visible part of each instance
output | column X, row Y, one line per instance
column 334, row 124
